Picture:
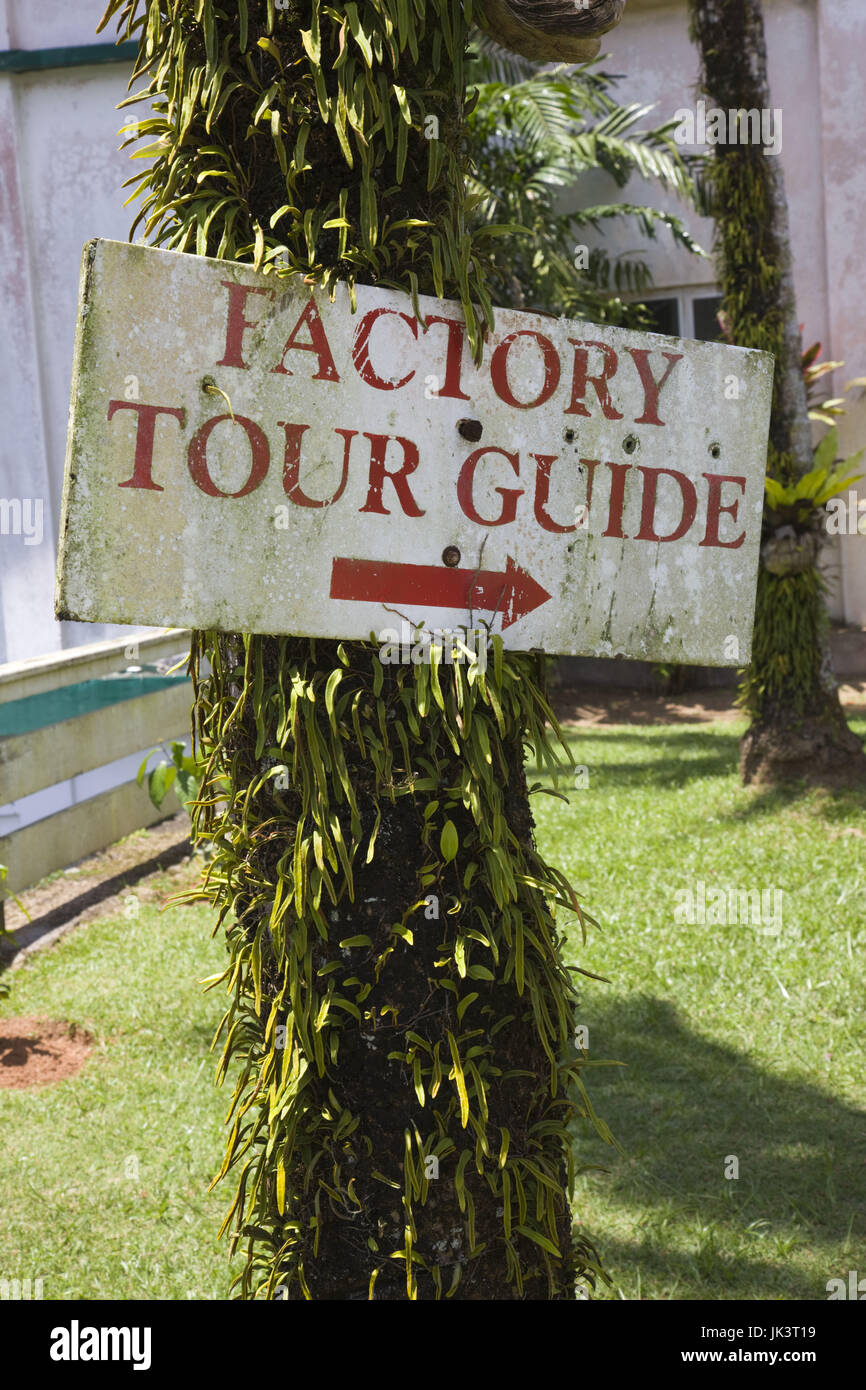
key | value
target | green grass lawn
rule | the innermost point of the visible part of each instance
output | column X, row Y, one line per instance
column 736, row 1043
column 104, row 1177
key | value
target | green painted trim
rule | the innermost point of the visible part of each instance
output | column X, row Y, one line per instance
column 33, row 712
column 83, row 55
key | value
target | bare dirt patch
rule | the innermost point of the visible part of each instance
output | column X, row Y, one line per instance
column 100, row 884
column 591, row 704
column 111, row 868
column 40, row 1052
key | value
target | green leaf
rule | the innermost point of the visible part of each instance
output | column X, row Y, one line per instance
column 460, row 956
column 402, row 102
column 160, row 781
column 358, row 34
column 777, row 495
column 464, row 1004
column 539, row 1239
column 828, row 449
column 480, row 972
column 503, row 1149
column 330, row 689
column 311, row 40
column 418, row 1081
column 458, row 1178
column 270, row 47
column 187, row 785
column 449, row 842
column 460, row 1080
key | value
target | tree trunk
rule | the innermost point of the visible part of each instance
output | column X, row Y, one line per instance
column 797, row 728
column 400, row 1020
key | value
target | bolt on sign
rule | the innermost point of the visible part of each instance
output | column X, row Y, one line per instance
column 246, row 455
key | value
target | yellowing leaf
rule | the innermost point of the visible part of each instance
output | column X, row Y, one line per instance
column 460, row 1080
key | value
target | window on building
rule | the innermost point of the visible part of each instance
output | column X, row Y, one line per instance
column 686, row 314
column 665, row 316
column 705, row 309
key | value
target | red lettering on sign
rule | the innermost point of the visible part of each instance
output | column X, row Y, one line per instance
column 499, row 369
column 361, row 350
column 318, row 344
column 715, row 508
column 511, row 592
column 651, row 477
column 617, row 501
column 453, row 358
column 143, row 462
column 652, row 389
column 236, row 324
column 509, row 495
column 292, row 466
column 580, row 379
column 197, row 456
column 542, row 493
column 378, row 473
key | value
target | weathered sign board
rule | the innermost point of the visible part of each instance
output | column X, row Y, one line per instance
column 246, row 455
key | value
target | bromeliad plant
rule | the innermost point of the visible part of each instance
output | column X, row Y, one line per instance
column 399, row 1032
column 793, row 532
column 800, row 504
column 794, row 517
column 827, row 409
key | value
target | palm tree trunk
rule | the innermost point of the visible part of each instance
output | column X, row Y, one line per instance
column 400, row 1022
column 797, row 725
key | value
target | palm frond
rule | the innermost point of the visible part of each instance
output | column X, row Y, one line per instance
column 539, row 132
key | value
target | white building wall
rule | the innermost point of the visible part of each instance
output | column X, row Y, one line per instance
column 841, row 168
column 61, row 173
column 817, row 74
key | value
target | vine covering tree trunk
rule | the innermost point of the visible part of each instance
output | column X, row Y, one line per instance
column 400, row 1024
column 797, row 727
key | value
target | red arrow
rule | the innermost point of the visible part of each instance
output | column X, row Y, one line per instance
column 513, row 594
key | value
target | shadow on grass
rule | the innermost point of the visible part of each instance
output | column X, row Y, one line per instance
column 682, row 1108
column 708, row 1274
column 680, row 756
column 683, row 755
column 839, row 804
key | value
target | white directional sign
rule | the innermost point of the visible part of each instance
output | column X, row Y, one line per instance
column 246, row 455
